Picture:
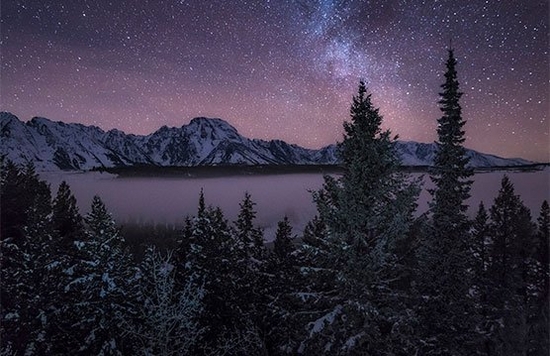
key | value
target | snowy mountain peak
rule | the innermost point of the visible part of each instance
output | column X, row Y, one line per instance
column 214, row 129
column 204, row 141
column 201, row 120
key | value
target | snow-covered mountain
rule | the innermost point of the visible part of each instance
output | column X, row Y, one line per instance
column 59, row 146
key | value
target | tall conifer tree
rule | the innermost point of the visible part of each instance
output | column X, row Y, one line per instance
column 448, row 313
column 68, row 229
column 281, row 283
column 106, row 279
column 25, row 255
column 511, row 244
column 367, row 212
column 451, row 174
column 539, row 333
column 212, row 262
column 67, row 220
column 248, row 235
column 162, row 318
column 249, row 267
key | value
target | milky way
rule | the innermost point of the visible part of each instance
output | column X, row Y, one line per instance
column 281, row 69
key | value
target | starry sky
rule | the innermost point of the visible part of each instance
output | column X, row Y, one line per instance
column 283, row 69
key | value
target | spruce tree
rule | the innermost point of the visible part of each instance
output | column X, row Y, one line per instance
column 250, row 264
column 68, row 266
column 25, row 255
column 181, row 252
column 282, row 245
column 448, row 314
column 17, row 196
column 542, row 251
column 314, row 232
column 106, row 278
column 450, row 174
column 512, row 241
column 38, row 230
column 313, row 248
column 212, row 261
column 539, row 318
column 481, row 282
column 480, row 235
column 282, row 281
column 249, row 237
column 67, row 220
column 162, row 318
column 367, row 212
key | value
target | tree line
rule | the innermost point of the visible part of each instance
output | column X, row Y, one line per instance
column 367, row 276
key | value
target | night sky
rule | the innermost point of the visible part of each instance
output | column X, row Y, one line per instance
column 281, row 68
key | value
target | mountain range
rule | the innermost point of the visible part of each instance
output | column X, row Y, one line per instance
column 56, row 146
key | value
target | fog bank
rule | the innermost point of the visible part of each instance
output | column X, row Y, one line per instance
column 170, row 200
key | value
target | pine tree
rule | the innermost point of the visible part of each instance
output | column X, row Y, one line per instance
column 12, row 212
column 249, row 236
column 512, row 240
column 249, row 253
column 450, row 174
column 66, row 217
column 249, row 266
column 282, row 282
column 313, row 249
column 367, row 212
column 181, row 252
column 213, row 261
column 448, row 314
column 18, row 194
column 283, row 246
column 542, row 250
column 480, row 235
column 68, row 266
column 314, row 232
column 539, row 334
column 162, row 318
column 105, row 279
column 25, row 257
column 481, row 282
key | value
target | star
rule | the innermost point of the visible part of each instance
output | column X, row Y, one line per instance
column 281, row 70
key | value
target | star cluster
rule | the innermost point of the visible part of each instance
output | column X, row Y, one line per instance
column 282, row 69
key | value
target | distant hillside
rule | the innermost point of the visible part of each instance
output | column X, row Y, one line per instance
column 56, row 146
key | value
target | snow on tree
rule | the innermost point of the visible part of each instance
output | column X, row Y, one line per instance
column 103, row 282
column 367, row 212
column 163, row 319
column 249, row 237
column 68, row 227
column 481, row 283
column 480, row 243
column 249, row 266
column 213, row 260
column 25, row 254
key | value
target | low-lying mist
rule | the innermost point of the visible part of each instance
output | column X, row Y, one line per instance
column 168, row 200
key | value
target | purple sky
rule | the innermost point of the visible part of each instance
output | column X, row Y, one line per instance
column 282, row 69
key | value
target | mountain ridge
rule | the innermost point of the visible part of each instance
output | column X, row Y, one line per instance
column 55, row 145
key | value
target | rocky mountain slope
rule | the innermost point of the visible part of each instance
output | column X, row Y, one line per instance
column 59, row 146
